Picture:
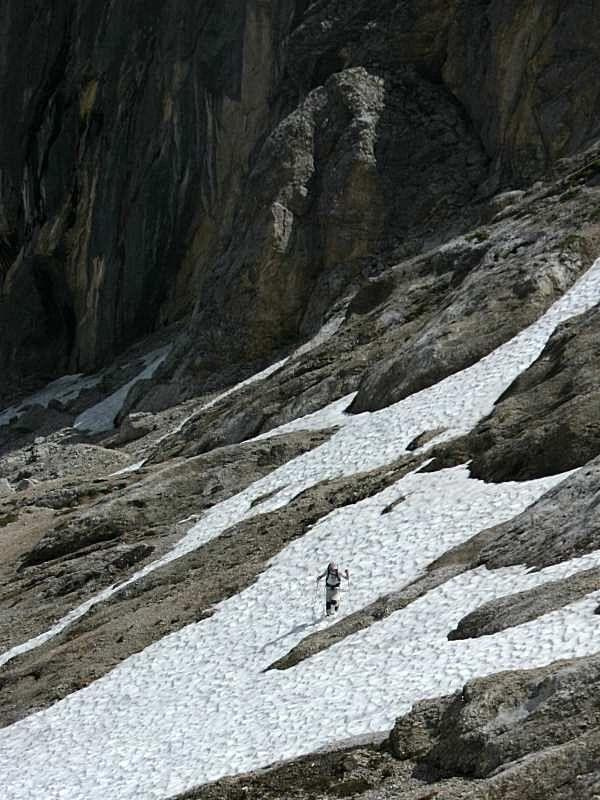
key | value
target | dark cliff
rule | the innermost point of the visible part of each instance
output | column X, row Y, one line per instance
column 241, row 163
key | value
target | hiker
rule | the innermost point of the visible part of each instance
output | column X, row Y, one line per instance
column 333, row 580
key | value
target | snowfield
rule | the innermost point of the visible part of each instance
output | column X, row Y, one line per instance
column 196, row 705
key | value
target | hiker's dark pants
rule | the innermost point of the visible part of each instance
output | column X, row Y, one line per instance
column 332, row 599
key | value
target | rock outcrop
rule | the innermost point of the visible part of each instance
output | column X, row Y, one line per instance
column 534, row 731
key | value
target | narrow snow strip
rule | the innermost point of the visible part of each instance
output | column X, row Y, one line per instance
column 101, row 417
column 369, row 440
column 325, row 333
column 258, row 376
column 131, row 468
column 461, row 399
column 329, row 329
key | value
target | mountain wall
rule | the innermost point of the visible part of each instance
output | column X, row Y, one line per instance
column 238, row 165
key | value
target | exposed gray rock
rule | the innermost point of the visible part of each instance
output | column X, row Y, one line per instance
column 135, row 426
column 24, row 484
column 353, row 771
column 41, row 420
column 70, row 538
column 424, row 438
column 60, row 458
column 505, row 200
column 561, row 525
column 496, row 720
column 389, row 508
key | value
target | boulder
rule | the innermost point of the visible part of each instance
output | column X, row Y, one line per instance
column 516, row 609
column 24, row 484
column 135, row 426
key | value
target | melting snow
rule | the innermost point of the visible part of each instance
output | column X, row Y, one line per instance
column 101, row 417
column 196, row 705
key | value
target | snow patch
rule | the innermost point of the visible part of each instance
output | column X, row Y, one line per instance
column 101, row 417
column 366, row 441
column 197, row 705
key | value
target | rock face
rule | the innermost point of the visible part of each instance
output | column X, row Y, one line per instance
column 114, row 164
column 493, row 286
column 503, row 65
column 249, row 159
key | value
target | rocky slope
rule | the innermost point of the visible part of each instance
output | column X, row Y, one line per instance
column 230, row 215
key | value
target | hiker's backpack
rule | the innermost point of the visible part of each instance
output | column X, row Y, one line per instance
column 333, row 579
